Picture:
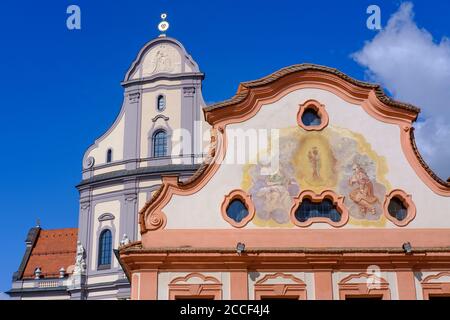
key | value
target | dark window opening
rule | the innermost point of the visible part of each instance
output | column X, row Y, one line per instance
column 324, row 209
column 311, row 117
column 237, row 210
column 161, row 103
column 397, row 209
column 109, row 156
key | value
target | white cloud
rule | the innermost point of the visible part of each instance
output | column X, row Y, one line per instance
column 414, row 68
column 4, row 296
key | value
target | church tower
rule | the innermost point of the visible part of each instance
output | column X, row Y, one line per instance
column 158, row 131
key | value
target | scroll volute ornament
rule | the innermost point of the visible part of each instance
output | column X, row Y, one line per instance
column 156, row 220
column 152, row 217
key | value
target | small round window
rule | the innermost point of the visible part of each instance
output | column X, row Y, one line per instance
column 397, row 209
column 311, row 118
column 237, row 210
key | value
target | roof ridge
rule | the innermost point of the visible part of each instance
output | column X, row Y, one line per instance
column 60, row 229
column 241, row 94
column 48, row 253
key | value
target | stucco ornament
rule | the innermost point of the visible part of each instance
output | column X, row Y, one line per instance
column 80, row 263
column 125, row 240
column 163, row 59
column 157, row 220
column 89, row 163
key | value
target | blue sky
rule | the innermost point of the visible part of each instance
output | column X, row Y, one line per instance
column 61, row 89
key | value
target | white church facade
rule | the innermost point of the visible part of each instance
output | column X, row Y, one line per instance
column 158, row 131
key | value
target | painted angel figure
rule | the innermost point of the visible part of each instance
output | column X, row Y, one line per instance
column 363, row 195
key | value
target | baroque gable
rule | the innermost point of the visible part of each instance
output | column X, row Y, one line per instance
column 364, row 152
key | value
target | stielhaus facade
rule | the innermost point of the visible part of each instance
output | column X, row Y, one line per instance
column 308, row 186
column 336, row 204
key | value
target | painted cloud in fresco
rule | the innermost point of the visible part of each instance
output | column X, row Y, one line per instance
column 272, row 194
column 333, row 159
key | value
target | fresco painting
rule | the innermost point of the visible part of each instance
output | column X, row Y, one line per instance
column 334, row 159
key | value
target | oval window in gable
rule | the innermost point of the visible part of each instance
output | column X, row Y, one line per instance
column 311, row 118
column 237, row 208
column 399, row 207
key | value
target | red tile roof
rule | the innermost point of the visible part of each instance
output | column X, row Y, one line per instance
column 53, row 249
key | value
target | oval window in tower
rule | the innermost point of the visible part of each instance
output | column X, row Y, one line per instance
column 161, row 103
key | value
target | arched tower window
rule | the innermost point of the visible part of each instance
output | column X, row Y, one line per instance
column 159, row 144
column 161, row 103
column 109, row 156
column 105, row 249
